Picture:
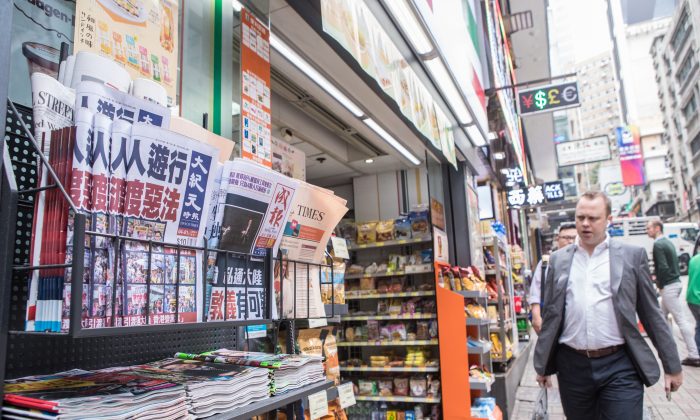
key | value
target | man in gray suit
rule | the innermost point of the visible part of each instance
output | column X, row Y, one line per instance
column 595, row 289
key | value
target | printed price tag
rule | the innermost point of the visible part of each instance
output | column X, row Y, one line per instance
column 346, row 395
column 340, row 248
column 318, row 405
column 317, row 322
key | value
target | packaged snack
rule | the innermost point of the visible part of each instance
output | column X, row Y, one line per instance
column 385, row 230
column 386, row 387
column 433, row 329
column 371, row 269
column 347, row 230
column 422, row 330
column 349, row 334
column 396, row 285
column 367, row 233
column 401, row 386
column 355, row 269
column 392, row 264
column 382, row 307
column 420, row 224
column 395, row 307
column 368, row 284
column 383, row 285
column 385, row 333
column 391, row 415
column 330, row 352
column 418, row 387
column 426, row 256
column 368, row 388
column 310, row 342
column 398, row 332
column 402, row 228
column 433, row 388
column 409, row 308
column 333, row 287
column 372, row 330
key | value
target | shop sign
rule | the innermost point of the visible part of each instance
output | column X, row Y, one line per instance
column 577, row 152
column 514, row 176
column 631, row 161
column 548, row 98
column 437, row 213
column 256, row 117
column 143, row 38
column 535, row 195
column 554, row 191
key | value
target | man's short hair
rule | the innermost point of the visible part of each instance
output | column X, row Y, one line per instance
column 566, row 226
column 657, row 223
column 592, row 195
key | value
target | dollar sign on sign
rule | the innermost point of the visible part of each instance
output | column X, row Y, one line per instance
column 540, row 99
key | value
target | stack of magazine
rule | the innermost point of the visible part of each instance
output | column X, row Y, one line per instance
column 79, row 394
column 287, row 371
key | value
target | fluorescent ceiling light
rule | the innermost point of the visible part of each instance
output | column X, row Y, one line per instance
column 391, row 140
column 475, row 136
column 370, row 160
column 235, row 108
column 314, row 75
column 448, row 88
column 412, row 28
column 237, row 6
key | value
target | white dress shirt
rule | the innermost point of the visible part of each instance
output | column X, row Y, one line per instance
column 589, row 317
column 536, row 285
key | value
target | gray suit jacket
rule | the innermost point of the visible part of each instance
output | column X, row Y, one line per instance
column 633, row 294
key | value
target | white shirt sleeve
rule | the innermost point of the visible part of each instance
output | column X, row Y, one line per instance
column 536, row 285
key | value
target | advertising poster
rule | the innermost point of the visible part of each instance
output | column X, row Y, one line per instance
column 610, row 180
column 288, row 160
column 38, row 30
column 631, row 160
column 140, row 35
column 441, row 246
column 256, row 120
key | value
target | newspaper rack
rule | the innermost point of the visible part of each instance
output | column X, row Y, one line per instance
column 264, row 313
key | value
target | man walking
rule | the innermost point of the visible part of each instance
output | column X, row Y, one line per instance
column 693, row 294
column 566, row 235
column 594, row 291
column 668, row 280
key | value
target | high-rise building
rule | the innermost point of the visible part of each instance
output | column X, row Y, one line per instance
column 675, row 58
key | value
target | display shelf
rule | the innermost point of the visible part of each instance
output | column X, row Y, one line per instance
column 478, row 322
column 391, row 274
column 332, row 393
column 478, row 385
column 496, row 327
column 387, row 317
column 388, row 343
column 272, row 403
column 480, row 350
column 336, row 309
column 385, row 244
column 473, row 294
column 425, row 400
column 390, row 295
column 491, row 241
column 424, row 369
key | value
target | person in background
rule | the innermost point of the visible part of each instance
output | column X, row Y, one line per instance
column 566, row 235
column 594, row 291
column 693, row 294
column 668, row 280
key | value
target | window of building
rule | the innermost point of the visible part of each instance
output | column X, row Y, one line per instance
column 682, row 31
column 690, row 109
column 686, row 67
column 695, row 145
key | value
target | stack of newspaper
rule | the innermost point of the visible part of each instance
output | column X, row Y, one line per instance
column 287, row 371
column 212, row 387
column 79, row 394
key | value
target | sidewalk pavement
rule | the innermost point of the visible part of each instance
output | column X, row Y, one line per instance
column 685, row 404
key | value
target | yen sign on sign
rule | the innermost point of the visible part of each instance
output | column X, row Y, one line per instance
column 548, row 98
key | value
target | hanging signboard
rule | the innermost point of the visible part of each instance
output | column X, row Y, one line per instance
column 631, row 160
column 142, row 36
column 576, row 152
column 535, row 195
column 548, row 98
column 256, row 119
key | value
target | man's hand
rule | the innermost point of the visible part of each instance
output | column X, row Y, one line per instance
column 544, row 381
column 537, row 323
column 673, row 381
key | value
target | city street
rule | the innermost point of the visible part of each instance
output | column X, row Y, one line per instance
column 685, row 404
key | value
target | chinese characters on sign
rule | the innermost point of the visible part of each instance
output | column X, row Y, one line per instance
column 535, row 195
column 577, row 152
column 548, row 98
column 256, row 120
column 514, row 176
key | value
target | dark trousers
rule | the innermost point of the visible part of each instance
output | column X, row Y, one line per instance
column 695, row 310
column 599, row 389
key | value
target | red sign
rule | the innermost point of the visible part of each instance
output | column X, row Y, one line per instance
column 256, row 120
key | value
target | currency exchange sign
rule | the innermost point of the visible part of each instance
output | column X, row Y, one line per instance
column 548, row 98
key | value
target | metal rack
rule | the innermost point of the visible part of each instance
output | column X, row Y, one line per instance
column 504, row 287
column 32, row 353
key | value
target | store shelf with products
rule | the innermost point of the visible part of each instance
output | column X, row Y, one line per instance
column 424, row 369
column 353, row 296
column 407, row 271
column 388, row 343
column 481, row 385
column 390, row 243
column 426, row 400
column 375, row 317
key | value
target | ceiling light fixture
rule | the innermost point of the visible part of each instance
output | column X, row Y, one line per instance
column 237, row 6
column 475, row 136
column 444, row 82
column 314, row 75
column 370, row 160
column 412, row 28
column 391, row 140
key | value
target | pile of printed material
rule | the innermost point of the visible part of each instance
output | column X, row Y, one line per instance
column 287, row 371
column 105, row 394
